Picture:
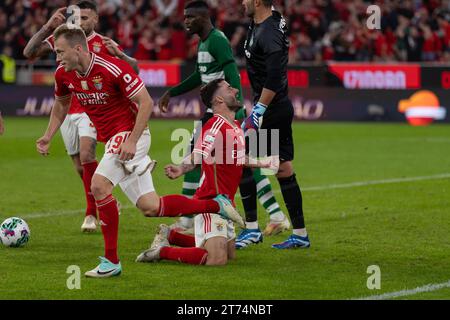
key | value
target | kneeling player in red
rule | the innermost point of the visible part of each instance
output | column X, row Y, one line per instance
column 116, row 101
column 220, row 150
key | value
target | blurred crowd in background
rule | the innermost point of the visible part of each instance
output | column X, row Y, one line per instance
column 320, row 30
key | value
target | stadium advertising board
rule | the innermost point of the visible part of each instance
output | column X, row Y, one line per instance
column 351, row 76
column 436, row 77
column 313, row 104
column 375, row 76
column 154, row 74
column 159, row 74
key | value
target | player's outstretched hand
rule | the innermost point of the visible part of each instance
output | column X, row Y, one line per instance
column 42, row 145
column 57, row 18
column 173, row 171
column 127, row 150
column 270, row 165
column 163, row 102
column 111, row 46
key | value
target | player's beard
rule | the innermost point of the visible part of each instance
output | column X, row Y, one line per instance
column 250, row 9
column 234, row 107
column 88, row 32
column 232, row 104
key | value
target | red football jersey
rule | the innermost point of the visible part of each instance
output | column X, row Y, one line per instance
column 222, row 147
column 104, row 92
column 95, row 44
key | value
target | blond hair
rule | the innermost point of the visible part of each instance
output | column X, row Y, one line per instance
column 73, row 35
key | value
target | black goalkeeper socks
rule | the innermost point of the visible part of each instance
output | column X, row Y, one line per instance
column 247, row 188
column 293, row 198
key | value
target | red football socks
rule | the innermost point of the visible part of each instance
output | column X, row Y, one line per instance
column 181, row 239
column 178, row 205
column 109, row 221
column 184, row 255
column 88, row 172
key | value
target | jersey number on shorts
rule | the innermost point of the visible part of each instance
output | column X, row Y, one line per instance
column 115, row 142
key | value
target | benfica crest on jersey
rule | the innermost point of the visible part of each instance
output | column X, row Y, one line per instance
column 219, row 226
column 97, row 80
column 96, row 46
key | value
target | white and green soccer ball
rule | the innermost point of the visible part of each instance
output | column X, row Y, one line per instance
column 14, row 232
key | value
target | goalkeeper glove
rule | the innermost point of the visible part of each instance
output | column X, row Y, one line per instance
column 253, row 120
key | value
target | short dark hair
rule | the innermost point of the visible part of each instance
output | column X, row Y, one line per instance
column 197, row 4
column 267, row 3
column 86, row 4
column 73, row 35
column 208, row 91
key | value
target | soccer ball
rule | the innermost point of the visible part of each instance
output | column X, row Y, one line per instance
column 14, row 232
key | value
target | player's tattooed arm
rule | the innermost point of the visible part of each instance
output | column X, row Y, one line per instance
column 131, row 61
column 37, row 47
column 113, row 48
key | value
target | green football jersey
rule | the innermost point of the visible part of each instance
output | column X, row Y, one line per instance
column 214, row 61
column 213, row 54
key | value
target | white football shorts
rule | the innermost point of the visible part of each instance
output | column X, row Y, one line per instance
column 133, row 176
column 209, row 225
column 76, row 125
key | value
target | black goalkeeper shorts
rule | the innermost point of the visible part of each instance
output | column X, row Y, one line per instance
column 279, row 117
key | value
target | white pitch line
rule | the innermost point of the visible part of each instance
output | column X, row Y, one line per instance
column 59, row 213
column 313, row 188
column 374, row 182
column 51, row 214
column 371, row 182
column 404, row 293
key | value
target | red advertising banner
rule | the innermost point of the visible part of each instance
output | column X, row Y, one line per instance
column 159, row 74
column 154, row 74
column 377, row 76
column 445, row 79
column 43, row 78
column 296, row 78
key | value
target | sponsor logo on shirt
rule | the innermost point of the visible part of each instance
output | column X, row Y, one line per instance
column 92, row 98
column 132, row 85
column 209, row 138
column 282, row 25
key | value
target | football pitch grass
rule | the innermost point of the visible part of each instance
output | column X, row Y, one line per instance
column 374, row 194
